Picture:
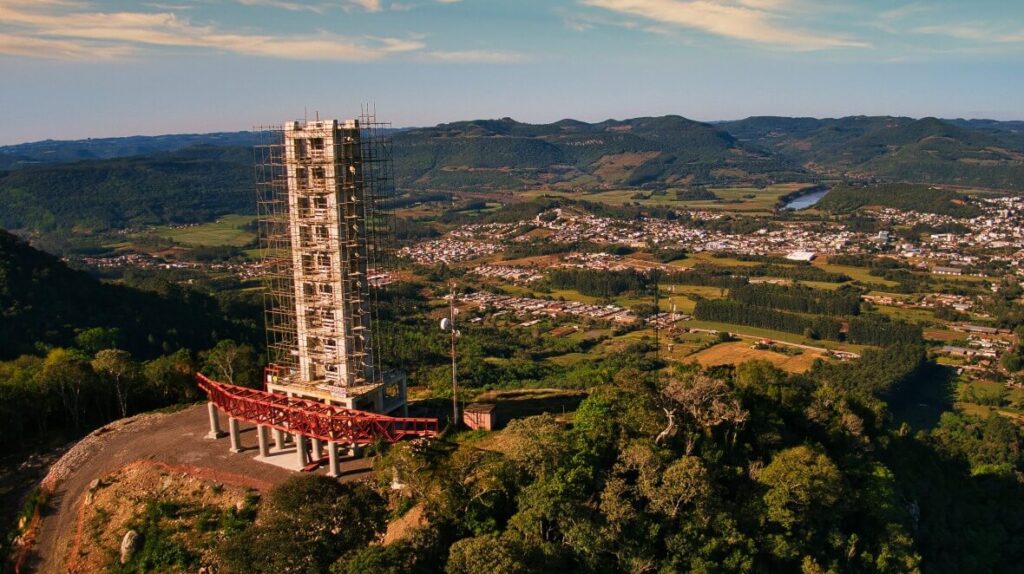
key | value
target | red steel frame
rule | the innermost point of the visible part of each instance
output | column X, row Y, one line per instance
column 311, row 418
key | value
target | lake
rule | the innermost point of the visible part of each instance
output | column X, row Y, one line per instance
column 806, row 200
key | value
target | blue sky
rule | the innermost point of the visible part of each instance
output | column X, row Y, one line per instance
column 96, row 68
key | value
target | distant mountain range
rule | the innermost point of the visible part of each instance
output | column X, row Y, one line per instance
column 118, row 182
column 981, row 153
column 506, row 154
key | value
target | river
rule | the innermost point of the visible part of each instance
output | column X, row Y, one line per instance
column 806, row 200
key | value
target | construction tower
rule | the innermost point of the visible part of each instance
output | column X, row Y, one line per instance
column 323, row 190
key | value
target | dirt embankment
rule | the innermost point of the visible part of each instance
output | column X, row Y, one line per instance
column 176, row 440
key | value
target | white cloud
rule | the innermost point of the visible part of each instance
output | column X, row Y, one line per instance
column 901, row 12
column 748, row 20
column 368, row 5
column 284, row 5
column 975, row 33
column 69, row 34
column 28, row 46
column 316, row 7
column 473, row 56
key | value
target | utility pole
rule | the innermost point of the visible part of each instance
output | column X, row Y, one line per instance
column 454, row 334
column 656, row 274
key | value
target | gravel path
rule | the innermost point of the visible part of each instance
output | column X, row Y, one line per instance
column 173, row 438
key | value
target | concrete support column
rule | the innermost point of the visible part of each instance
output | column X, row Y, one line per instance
column 262, row 435
column 279, row 439
column 354, row 450
column 300, row 450
column 334, row 466
column 236, row 437
column 318, row 450
column 215, row 431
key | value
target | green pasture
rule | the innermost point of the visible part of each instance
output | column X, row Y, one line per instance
column 741, row 199
column 225, row 231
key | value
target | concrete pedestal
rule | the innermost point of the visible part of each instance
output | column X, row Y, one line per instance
column 215, row 430
column 318, row 450
column 279, row 439
column 334, row 466
column 236, row 437
column 300, row 450
column 264, row 439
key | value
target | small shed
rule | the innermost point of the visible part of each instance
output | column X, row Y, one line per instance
column 480, row 416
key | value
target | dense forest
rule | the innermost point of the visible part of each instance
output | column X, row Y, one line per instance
column 742, row 469
column 927, row 150
column 605, row 284
column 76, row 353
column 760, row 306
column 190, row 185
column 44, row 303
column 727, row 311
column 799, row 298
column 906, row 197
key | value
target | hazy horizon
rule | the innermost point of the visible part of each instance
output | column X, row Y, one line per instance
column 113, row 68
column 384, row 118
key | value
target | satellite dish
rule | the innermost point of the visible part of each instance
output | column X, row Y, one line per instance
column 446, row 324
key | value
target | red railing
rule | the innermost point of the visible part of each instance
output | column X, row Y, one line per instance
column 311, row 418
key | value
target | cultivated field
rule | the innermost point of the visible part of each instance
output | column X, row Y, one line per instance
column 740, row 352
column 225, row 231
column 744, row 199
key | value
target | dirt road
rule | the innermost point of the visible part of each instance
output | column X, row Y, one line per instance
column 173, row 438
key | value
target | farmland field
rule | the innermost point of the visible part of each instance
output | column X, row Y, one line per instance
column 745, row 199
column 225, row 231
column 741, row 352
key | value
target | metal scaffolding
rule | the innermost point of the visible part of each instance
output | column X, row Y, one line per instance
column 325, row 203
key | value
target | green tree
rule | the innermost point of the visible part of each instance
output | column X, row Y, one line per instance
column 231, row 363
column 172, row 377
column 802, row 485
column 118, row 368
column 1012, row 361
column 94, row 340
column 306, row 524
column 685, row 484
column 488, row 553
column 68, row 376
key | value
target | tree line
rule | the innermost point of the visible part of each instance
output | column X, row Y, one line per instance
column 862, row 330
column 69, row 391
column 798, row 298
column 728, row 311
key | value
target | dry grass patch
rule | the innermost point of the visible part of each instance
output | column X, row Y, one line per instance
column 741, row 352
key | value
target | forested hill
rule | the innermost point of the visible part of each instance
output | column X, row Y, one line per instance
column 929, row 150
column 55, row 186
column 193, row 184
column 504, row 153
column 62, row 151
column 44, row 303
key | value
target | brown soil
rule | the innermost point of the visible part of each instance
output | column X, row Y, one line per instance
column 107, row 513
column 174, row 439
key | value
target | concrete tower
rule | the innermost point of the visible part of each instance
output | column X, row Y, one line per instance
column 326, row 209
column 320, row 186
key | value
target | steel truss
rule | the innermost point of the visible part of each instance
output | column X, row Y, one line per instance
column 313, row 419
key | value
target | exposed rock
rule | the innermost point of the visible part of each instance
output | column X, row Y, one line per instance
column 128, row 545
column 94, row 485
